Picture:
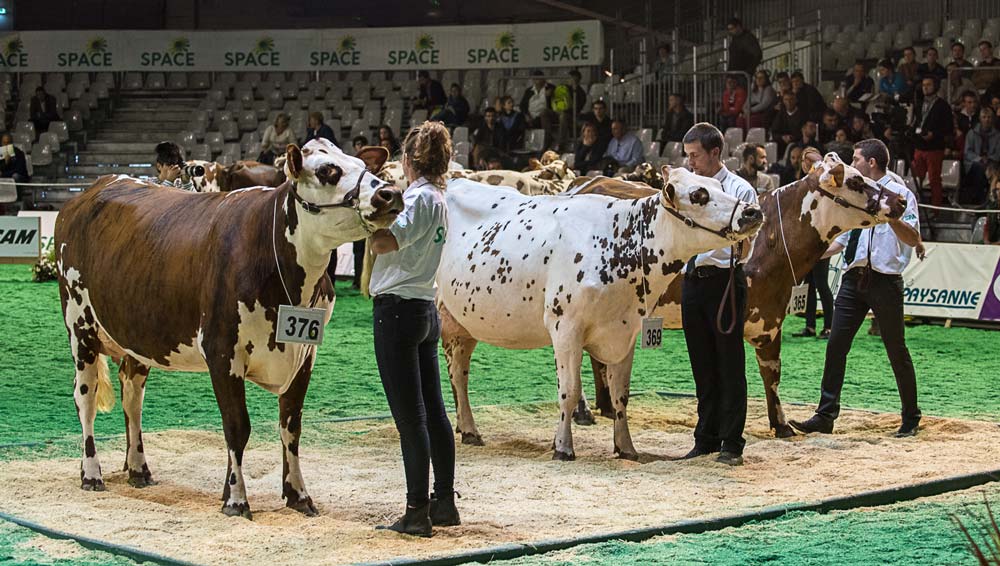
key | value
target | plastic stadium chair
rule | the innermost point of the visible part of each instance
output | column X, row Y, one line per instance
column 652, row 150
column 177, row 81
column 646, row 136
column 75, row 90
column 230, row 130
column 756, row 135
column 950, row 173
column 534, row 140
column 461, row 134
column 186, row 139
column 247, row 121
column 49, row 140
column 214, row 141
column 772, row 152
column 133, row 81
column 734, row 136
column 199, row 81
column 74, row 120
column 155, row 81
column 417, row 117
column 60, row 130
column 27, row 129
column 41, row 154
column 201, row 152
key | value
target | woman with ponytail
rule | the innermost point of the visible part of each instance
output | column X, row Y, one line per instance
column 407, row 330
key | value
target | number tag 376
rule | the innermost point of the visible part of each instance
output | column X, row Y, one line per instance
column 652, row 333
column 300, row 325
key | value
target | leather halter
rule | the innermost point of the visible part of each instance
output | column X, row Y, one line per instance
column 847, row 204
column 692, row 223
column 351, row 199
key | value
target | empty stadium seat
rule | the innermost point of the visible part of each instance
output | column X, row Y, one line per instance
column 950, row 173
column 534, row 140
column 734, row 136
column 732, row 163
column 186, row 139
column 201, row 152
column 673, row 152
column 756, row 135
column 247, row 121
column 26, row 129
column 41, row 154
column 49, row 140
column 75, row 90
column 231, row 131
column 772, row 152
column 199, row 80
column 417, row 117
column 8, row 190
column 214, row 141
column 176, row 81
column 60, row 130
column 132, row 81
column 74, row 120
column 652, row 150
column 461, row 134
column 462, row 148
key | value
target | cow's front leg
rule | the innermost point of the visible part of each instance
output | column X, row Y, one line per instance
column 619, row 379
column 132, row 376
column 769, row 363
column 230, row 393
column 568, row 353
column 458, row 346
column 293, row 488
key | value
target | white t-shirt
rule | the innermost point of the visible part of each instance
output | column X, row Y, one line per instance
column 420, row 231
column 537, row 103
column 890, row 255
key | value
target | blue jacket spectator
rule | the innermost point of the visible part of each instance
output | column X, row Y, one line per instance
column 625, row 148
column 318, row 129
column 891, row 84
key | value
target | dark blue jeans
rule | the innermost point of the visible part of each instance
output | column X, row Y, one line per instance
column 406, row 349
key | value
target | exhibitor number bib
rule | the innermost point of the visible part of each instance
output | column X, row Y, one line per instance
column 652, row 333
column 300, row 325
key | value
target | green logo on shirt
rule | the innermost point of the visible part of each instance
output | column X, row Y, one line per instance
column 439, row 235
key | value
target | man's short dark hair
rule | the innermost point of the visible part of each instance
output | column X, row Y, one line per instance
column 986, row 42
column 705, row 134
column 359, row 139
column 168, row 153
column 750, row 151
column 929, row 49
column 780, row 75
column 423, row 75
column 600, row 102
column 679, row 96
column 39, row 89
column 798, row 75
column 910, row 47
column 933, row 79
column 829, row 112
column 489, row 110
column 620, row 121
column 537, row 73
column 970, row 94
column 735, row 22
column 576, row 74
column 456, row 85
column 958, row 43
column 874, row 149
column 887, row 63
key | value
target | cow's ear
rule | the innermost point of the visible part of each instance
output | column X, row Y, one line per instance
column 838, row 174
column 669, row 196
column 374, row 157
column 293, row 161
column 665, row 172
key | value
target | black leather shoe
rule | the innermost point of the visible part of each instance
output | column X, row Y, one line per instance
column 805, row 333
column 815, row 423
column 696, row 452
column 908, row 429
column 825, row 334
column 443, row 511
column 730, row 458
column 416, row 521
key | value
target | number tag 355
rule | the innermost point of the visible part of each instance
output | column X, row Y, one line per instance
column 300, row 325
column 652, row 333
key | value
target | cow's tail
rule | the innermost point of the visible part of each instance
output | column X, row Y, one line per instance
column 105, row 392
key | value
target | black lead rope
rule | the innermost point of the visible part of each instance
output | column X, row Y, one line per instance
column 866, row 275
column 730, row 293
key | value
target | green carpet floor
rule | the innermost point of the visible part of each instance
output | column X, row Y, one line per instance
column 957, row 372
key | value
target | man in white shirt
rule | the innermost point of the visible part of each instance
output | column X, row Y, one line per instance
column 717, row 357
column 536, row 105
column 875, row 258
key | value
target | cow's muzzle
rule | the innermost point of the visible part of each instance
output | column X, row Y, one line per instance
column 387, row 201
column 750, row 218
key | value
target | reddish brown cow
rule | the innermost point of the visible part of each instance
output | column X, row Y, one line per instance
column 239, row 175
column 813, row 211
column 207, row 273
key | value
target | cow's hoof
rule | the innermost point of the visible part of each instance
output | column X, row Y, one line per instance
column 92, row 484
column 563, row 456
column 631, row 456
column 585, row 418
column 140, row 479
column 783, row 431
column 304, row 506
column 238, row 510
column 472, row 439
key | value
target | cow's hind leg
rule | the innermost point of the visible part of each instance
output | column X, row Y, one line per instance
column 230, row 393
column 91, row 388
column 568, row 354
column 619, row 379
column 458, row 346
column 132, row 376
column 769, row 363
column 602, row 395
column 293, row 488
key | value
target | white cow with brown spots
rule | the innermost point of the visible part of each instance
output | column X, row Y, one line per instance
column 576, row 272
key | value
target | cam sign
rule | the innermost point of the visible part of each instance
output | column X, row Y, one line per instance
column 20, row 239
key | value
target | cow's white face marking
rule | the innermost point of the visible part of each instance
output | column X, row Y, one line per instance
column 703, row 200
column 826, row 214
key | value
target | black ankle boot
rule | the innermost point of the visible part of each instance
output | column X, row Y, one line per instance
column 416, row 521
column 443, row 511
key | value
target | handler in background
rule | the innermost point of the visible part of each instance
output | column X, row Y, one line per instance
column 407, row 331
column 875, row 258
column 717, row 357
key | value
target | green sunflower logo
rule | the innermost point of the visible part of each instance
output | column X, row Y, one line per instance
column 97, row 45
column 505, row 40
column 264, row 45
column 13, row 46
column 180, row 45
column 425, row 42
column 347, row 43
column 577, row 37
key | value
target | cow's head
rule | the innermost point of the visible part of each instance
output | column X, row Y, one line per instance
column 556, row 171
column 343, row 186
column 715, row 218
column 856, row 200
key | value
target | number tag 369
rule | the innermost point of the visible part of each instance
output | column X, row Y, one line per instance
column 300, row 325
column 652, row 333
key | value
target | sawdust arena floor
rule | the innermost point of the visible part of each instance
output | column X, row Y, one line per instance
column 512, row 492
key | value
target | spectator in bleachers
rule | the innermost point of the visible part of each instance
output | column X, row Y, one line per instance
column 788, row 168
column 493, row 161
column 860, row 128
column 13, row 164
column 932, row 122
column 734, row 98
column 809, row 99
column 840, row 145
column 991, row 232
column 808, row 136
column 909, row 68
column 513, row 123
column 931, row 67
column 744, row 50
column 787, row 125
column 958, row 55
column 679, row 120
column 968, row 113
column 536, row 105
column 662, row 66
column 276, row 138
column 568, row 101
column 624, row 151
column 956, row 86
column 981, row 159
column 318, row 129
column 430, row 95
column 754, row 165
column 891, row 83
column 843, row 109
column 358, row 143
column 588, row 150
column 986, row 78
column 456, row 109
column 762, row 101
column 598, row 116
column 490, row 136
column 828, row 127
column 858, row 83
column 169, row 160
column 387, row 139
column 43, row 110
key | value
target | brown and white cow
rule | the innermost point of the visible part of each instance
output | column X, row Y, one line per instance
column 576, row 272
column 549, row 179
column 206, row 275
column 239, row 175
column 813, row 211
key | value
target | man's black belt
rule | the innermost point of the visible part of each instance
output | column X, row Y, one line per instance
column 707, row 271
